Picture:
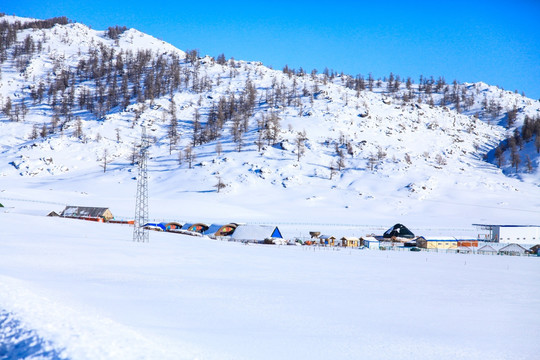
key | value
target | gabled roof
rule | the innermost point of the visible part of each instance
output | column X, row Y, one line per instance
column 327, row 237
column 369, row 238
column 486, row 248
column 276, row 233
column 513, row 248
column 83, row 211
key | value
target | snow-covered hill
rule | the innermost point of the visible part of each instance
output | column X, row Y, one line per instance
column 291, row 147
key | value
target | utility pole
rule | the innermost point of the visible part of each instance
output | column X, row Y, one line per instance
column 141, row 234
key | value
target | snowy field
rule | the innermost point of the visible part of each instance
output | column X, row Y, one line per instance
column 90, row 292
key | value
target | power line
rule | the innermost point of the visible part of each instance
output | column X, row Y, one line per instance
column 140, row 234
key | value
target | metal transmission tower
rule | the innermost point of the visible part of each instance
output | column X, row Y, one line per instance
column 141, row 234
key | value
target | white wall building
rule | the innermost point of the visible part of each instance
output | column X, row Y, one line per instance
column 517, row 234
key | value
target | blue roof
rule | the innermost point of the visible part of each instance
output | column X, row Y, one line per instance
column 276, row 233
column 160, row 225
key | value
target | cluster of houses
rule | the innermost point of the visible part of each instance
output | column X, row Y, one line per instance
column 502, row 239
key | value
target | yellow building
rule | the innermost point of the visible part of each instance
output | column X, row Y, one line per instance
column 349, row 241
column 437, row 242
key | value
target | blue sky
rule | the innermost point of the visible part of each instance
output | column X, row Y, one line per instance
column 497, row 42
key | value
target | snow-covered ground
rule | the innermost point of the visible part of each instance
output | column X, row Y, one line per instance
column 92, row 293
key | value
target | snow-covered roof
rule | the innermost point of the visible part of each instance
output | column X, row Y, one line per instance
column 83, row 211
column 513, row 248
column 253, row 232
column 486, row 248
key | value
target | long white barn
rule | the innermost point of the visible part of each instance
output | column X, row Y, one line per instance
column 517, row 234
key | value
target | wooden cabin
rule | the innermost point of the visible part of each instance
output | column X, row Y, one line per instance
column 350, row 241
column 327, row 240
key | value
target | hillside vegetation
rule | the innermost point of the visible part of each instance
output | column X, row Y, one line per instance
column 74, row 99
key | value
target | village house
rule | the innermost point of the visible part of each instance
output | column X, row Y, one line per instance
column 327, row 240
column 370, row 242
column 350, row 241
column 513, row 249
column 436, row 242
column 87, row 213
column 487, row 250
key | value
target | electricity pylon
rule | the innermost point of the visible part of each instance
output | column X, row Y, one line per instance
column 141, row 234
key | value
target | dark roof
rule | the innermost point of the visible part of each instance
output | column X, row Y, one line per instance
column 83, row 211
column 398, row 230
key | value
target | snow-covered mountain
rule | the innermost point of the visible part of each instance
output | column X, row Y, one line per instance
column 290, row 146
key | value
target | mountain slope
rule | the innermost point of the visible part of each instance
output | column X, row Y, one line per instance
column 289, row 146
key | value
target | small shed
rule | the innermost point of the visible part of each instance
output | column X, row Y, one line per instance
column 86, row 212
column 513, row 249
column 350, row 241
column 53, row 214
column 327, row 240
column 436, row 242
column 487, row 250
column 370, row 242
